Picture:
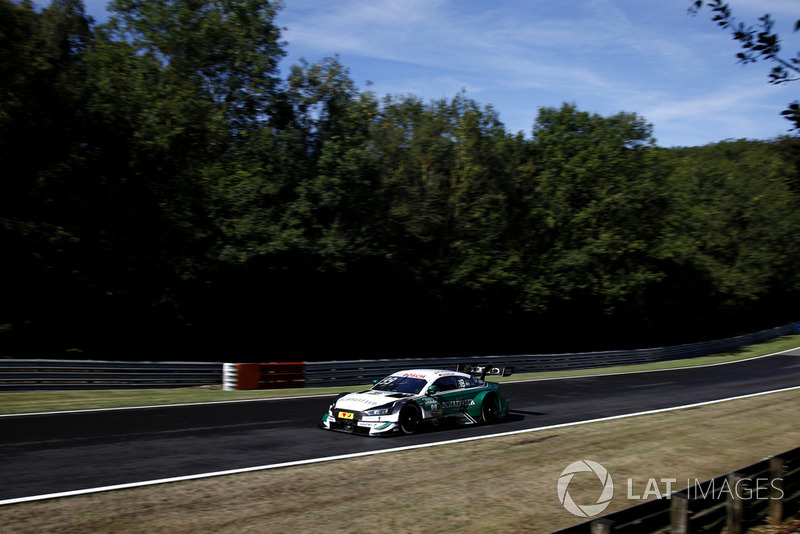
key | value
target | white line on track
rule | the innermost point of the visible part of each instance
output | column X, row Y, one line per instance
column 368, row 453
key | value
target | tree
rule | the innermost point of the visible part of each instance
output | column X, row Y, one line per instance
column 115, row 141
column 43, row 132
column 759, row 42
column 187, row 88
column 595, row 206
column 734, row 221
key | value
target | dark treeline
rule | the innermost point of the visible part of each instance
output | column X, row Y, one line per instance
column 166, row 194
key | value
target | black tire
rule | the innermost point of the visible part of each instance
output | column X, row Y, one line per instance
column 490, row 409
column 409, row 420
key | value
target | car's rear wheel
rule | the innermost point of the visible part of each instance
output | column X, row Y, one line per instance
column 410, row 419
column 490, row 409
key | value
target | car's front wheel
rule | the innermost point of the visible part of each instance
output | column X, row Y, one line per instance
column 490, row 409
column 410, row 419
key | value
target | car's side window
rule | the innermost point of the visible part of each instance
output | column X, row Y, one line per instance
column 470, row 382
column 446, row 383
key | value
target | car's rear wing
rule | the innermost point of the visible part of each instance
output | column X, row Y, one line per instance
column 483, row 370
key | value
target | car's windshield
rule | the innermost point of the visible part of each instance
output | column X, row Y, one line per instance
column 401, row 384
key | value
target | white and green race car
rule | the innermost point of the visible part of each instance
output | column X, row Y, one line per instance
column 403, row 401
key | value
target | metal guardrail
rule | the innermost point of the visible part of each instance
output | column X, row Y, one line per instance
column 354, row 372
column 44, row 375
column 41, row 375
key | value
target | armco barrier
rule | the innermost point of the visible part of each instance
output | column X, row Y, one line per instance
column 42, row 375
column 354, row 372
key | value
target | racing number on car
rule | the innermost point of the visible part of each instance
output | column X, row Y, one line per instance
column 345, row 415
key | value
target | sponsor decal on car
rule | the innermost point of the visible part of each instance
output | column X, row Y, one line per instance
column 352, row 398
column 431, row 406
column 413, row 375
column 378, row 411
column 458, row 403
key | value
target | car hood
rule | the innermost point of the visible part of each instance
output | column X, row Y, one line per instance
column 365, row 400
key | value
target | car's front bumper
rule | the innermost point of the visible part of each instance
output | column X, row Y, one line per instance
column 359, row 426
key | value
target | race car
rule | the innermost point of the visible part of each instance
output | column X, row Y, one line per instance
column 403, row 401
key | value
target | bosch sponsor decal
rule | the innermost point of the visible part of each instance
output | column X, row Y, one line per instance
column 414, row 375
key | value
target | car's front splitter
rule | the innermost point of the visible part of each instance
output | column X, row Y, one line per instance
column 329, row 422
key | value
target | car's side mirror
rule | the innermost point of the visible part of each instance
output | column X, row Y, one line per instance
column 433, row 390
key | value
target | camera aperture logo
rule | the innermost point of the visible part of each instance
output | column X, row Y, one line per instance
column 587, row 510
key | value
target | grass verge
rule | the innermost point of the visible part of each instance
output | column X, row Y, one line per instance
column 501, row 485
column 46, row 401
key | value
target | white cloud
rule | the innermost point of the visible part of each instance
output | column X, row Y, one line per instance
column 604, row 55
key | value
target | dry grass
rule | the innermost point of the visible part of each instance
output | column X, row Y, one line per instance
column 496, row 485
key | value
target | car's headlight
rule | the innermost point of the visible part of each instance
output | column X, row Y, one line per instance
column 385, row 410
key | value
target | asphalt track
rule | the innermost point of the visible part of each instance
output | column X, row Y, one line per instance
column 54, row 453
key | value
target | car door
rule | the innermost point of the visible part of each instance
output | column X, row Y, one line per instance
column 452, row 396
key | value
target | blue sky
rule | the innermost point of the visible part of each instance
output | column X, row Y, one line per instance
column 647, row 57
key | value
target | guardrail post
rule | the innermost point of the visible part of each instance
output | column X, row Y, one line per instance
column 602, row 526
column 679, row 514
column 735, row 505
column 777, row 472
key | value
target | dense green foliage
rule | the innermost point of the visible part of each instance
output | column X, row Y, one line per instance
column 166, row 194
